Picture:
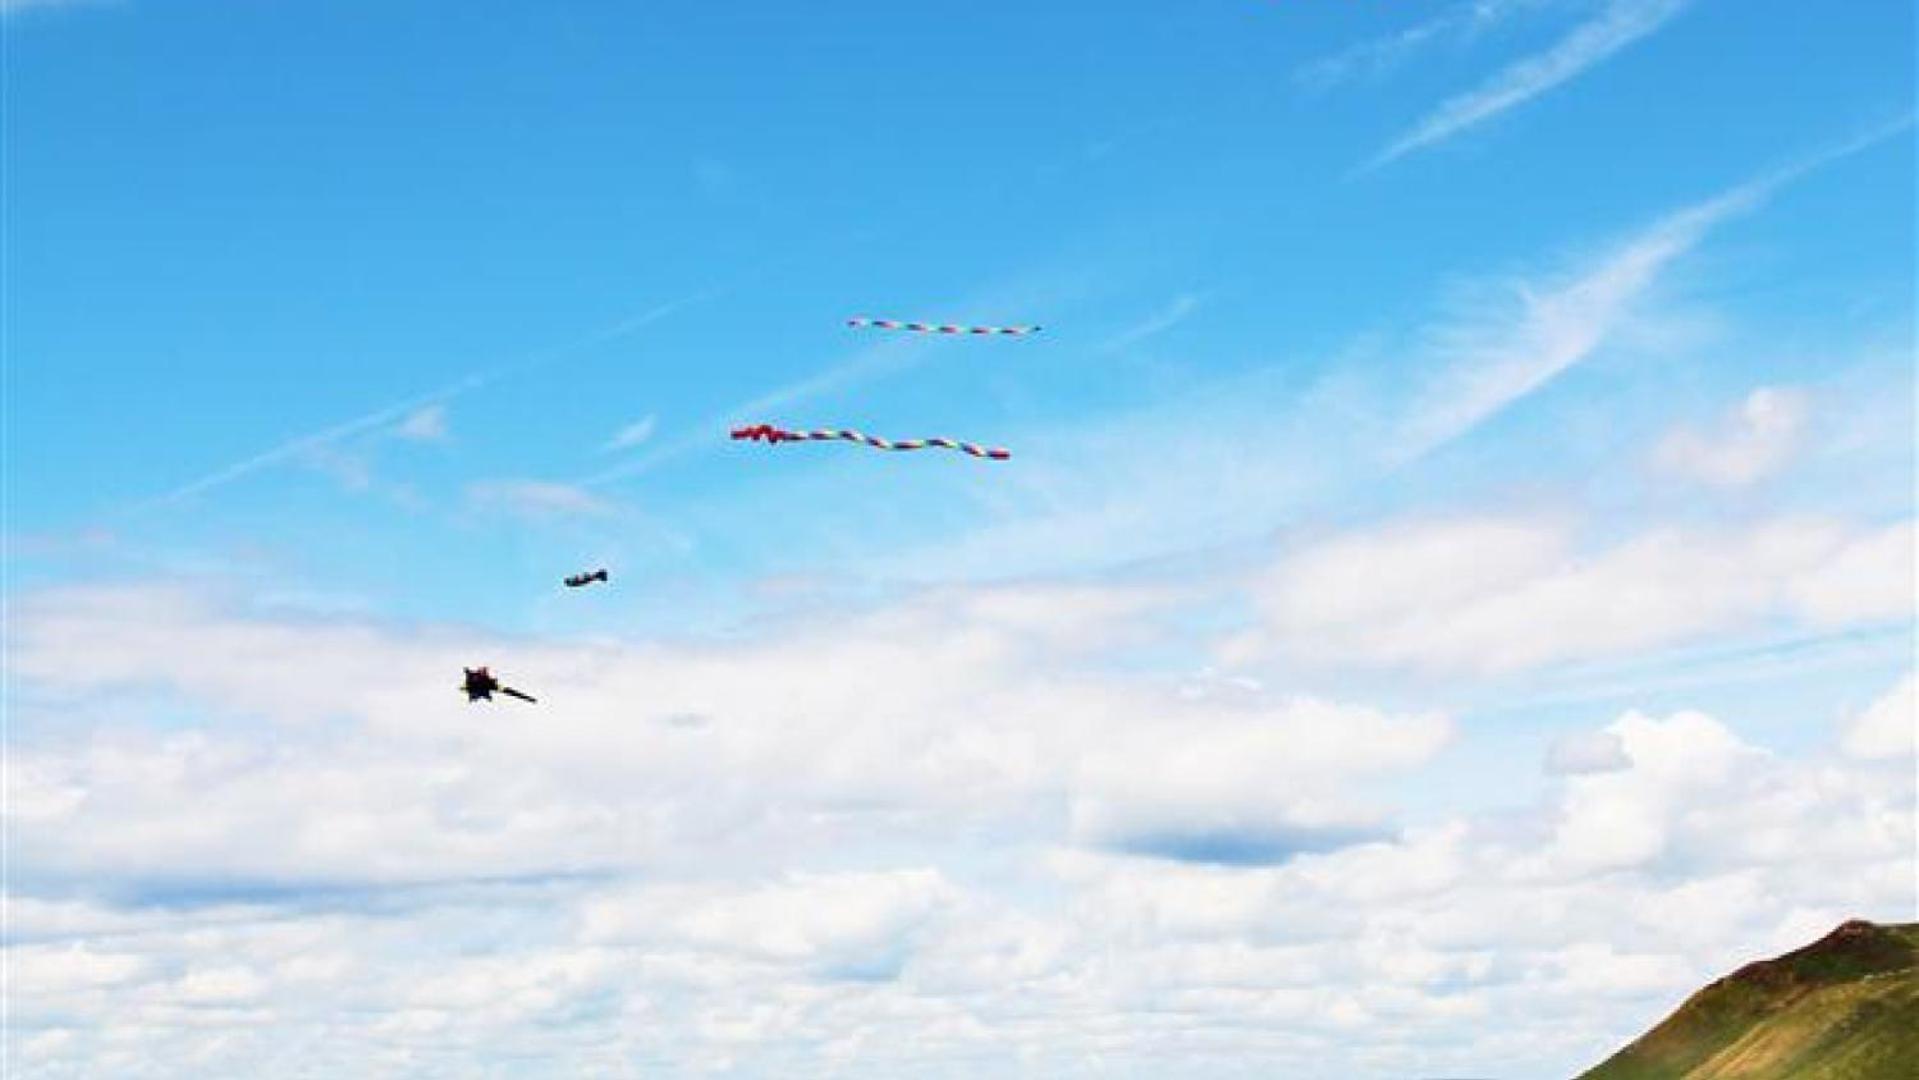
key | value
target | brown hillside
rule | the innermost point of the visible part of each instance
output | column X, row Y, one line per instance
column 1845, row 1007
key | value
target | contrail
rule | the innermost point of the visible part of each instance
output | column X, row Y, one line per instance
column 302, row 444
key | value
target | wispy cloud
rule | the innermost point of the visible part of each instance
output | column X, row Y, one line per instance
column 1158, row 322
column 1619, row 25
column 1492, row 356
column 1462, row 21
column 424, row 425
column 888, row 355
column 1117, row 489
column 631, row 435
column 535, row 498
column 1749, row 444
column 303, row 447
column 351, row 471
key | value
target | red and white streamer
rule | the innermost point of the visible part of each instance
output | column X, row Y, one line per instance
column 770, row 434
column 939, row 328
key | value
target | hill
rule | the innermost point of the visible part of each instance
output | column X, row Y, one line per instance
column 1845, row 1007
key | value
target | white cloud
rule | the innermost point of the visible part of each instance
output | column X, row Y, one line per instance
column 839, row 924
column 1886, row 729
column 222, row 985
column 306, row 447
column 1118, row 489
column 1617, row 894
column 1247, row 785
column 303, row 446
column 1580, row 752
column 1462, row 21
column 1500, row 594
column 887, row 354
column 1491, row 356
column 1158, row 322
column 427, row 424
column 974, row 707
column 61, row 968
column 1620, row 818
column 1869, row 577
column 1621, row 23
column 1750, row 444
column 631, row 435
column 919, row 869
column 353, row 472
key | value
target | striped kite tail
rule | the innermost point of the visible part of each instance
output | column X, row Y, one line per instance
column 770, row 434
column 992, row 453
column 939, row 328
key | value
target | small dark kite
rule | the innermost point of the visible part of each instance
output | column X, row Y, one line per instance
column 480, row 685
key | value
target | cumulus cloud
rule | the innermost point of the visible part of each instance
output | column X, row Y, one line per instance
column 1886, row 729
column 969, row 710
column 1247, row 786
column 987, row 851
column 842, row 925
column 944, row 863
column 1870, row 576
column 1695, row 812
column 1750, row 444
column 1619, row 818
column 1501, row 594
column 1582, row 752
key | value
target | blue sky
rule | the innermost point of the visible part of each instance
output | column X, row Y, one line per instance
column 1505, row 407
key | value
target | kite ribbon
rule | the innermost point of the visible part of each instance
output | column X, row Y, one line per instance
column 939, row 328
column 770, row 434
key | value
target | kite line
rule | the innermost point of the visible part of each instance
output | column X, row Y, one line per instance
column 770, row 434
column 938, row 328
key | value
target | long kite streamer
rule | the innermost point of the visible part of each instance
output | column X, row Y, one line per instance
column 938, row 328
column 769, row 433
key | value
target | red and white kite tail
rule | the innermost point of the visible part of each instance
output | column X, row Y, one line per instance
column 939, row 328
column 770, row 434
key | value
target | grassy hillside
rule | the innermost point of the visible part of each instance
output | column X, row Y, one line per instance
column 1843, row 1008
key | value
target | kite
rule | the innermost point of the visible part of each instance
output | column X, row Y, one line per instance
column 578, row 580
column 769, row 433
column 939, row 328
column 480, row 685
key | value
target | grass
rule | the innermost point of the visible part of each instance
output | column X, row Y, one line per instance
column 1843, row 1008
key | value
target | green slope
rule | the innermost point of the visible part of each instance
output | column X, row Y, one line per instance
column 1843, row 1008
